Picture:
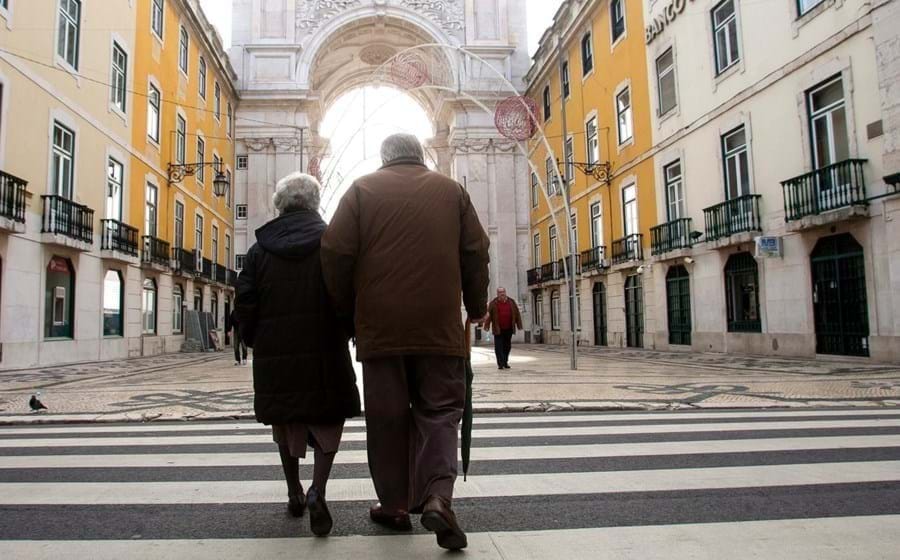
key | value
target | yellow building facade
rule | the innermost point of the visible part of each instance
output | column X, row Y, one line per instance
column 589, row 81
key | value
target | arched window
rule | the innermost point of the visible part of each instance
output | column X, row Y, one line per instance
column 214, row 309
column 198, row 299
column 554, row 310
column 148, row 307
column 742, row 293
column 177, row 308
column 538, row 309
column 59, row 299
column 113, row 296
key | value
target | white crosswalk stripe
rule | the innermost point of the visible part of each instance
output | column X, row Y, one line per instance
column 710, row 484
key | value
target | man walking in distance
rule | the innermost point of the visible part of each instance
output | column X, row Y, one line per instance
column 503, row 318
column 404, row 250
column 240, row 347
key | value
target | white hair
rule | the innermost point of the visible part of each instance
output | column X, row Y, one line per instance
column 401, row 146
column 297, row 191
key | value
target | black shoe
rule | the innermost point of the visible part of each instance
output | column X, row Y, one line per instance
column 440, row 520
column 320, row 521
column 506, row 367
column 297, row 504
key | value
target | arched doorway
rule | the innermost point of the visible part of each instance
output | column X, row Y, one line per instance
column 634, row 311
column 678, row 305
column 840, row 305
column 599, row 297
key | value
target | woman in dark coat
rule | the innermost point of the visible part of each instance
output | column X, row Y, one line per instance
column 303, row 379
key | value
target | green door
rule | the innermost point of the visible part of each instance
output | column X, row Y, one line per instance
column 840, row 305
column 678, row 303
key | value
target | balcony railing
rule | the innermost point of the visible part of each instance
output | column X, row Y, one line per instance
column 835, row 186
column 220, row 273
column 206, row 268
column 63, row 217
column 593, row 259
column 231, row 277
column 12, row 197
column 155, row 251
column 119, row 237
column 561, row 268
column 550, row 271
column 534, row 276
column 628, row 248
column 671, row 236
column 184, row 261
column 733, row 216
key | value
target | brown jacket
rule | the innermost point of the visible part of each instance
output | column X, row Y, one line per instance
column 403, row 253
column 492, row 321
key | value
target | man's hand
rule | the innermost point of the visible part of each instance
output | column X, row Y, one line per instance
column 476, row 320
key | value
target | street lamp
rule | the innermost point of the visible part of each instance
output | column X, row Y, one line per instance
column 178, row 171
column 220, row 184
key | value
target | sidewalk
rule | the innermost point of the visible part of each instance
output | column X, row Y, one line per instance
column 186, row 386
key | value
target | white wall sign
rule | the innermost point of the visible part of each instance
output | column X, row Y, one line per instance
column 668, row 15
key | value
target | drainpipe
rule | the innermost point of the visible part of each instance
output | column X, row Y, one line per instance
column 572, row 270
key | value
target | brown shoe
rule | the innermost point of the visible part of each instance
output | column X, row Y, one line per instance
column 438, row 518
column 397, row 521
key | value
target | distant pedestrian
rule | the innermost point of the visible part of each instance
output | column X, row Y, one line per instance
column 303, row 379
column 403, row 252
column 503, row 318
column 240, row 347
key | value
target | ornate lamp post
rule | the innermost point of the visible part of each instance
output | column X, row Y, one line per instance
column 178, row 171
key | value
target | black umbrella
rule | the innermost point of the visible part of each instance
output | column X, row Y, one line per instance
column 467, row 410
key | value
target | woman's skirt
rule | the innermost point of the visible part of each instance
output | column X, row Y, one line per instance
column 297, row 436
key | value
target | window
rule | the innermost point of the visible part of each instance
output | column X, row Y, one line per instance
column 737, row 166
column 554, row 245
column 564, row 78
column 629, row 210
column 180, row 138
column 242, row 163
column 587, row 55
column 183, row 43
column 665, row 82
column 534, row 190
column 230, row 122
column 201, row 156
column 593, row 141
column 623, row 116
column 674, row 191
column 240, row 211
column 201, row 77
column 4, row 4
column 538, row 309
column 114, row 173
column 59, row 299
column 177, row 308
column 112, row 303
column 153, row 102
column 578, row 309
column 198, row 299
column 215, row 245
column 214, row 309
column 742, row 293
column 546, row 102
column 227, row 250
column 148, row 307
column 573, row 222
column 725, row 35
column 828, row 125
column 536, row 250
column 151, row 209
column 217, row 92
column 551, row 176
column 63, row 161
column 119, row 83
column 198, row 234
column 617, row 18
column 803, row 6
column 69, row 32
column 156, row 17
column 570, row 159
column 554, row 310
column 239, row 262
column 179, row 225
column 596, row 225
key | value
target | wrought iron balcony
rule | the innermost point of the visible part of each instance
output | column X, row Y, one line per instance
column 231, row 277
column 835, row 186
column 671, row 236
column 220, row 273
column 550, row 271
column 576, row 268
column 534, row 276
column 733, row 216
column 628, row 248
column 155, row 251
column 67, row 218
column 12, row 197
column 206, row 268
column 594, row 259
column 119, row 237
column 184, row 261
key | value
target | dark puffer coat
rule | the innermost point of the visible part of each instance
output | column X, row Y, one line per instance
column 302, row 371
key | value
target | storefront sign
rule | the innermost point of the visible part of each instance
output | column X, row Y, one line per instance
column 768, row 246
column 668, row 15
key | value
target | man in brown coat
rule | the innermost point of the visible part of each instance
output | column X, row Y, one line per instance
column 503, row 318
column 403, row 253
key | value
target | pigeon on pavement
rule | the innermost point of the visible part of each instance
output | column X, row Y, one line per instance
column 36, row 404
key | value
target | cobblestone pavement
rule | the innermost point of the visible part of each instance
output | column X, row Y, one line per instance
column 209, row 385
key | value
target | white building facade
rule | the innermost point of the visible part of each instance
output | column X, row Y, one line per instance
column 780, row 232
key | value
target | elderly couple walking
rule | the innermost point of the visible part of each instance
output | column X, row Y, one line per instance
column 403, row 253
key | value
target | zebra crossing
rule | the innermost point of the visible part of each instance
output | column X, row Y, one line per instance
column 699, row 484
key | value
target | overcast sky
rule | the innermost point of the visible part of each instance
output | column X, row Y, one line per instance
column 540, row 14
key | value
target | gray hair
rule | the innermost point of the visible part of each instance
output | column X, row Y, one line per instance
column 401, row 146
column 297, row 191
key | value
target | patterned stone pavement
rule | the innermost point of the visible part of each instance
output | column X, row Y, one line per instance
column 210, row 386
